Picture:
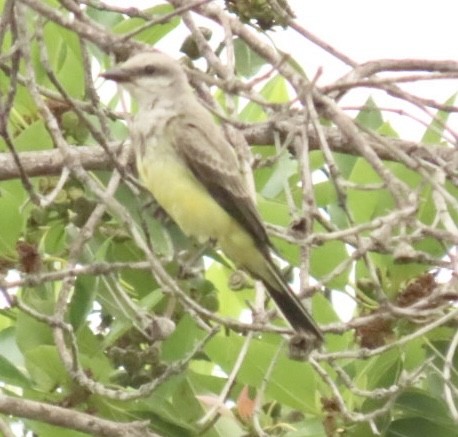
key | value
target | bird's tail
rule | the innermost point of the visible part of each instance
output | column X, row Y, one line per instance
column 288, row 302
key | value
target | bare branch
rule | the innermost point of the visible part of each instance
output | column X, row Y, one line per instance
column 72, row 419
column 51, row 162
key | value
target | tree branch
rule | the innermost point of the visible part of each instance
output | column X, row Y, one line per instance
column 50, row 162
column 72, row 419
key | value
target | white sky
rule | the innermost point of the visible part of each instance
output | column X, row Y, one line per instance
column 393, row 28
column 364, row 30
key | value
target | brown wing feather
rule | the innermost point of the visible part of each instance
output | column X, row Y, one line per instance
column 213, row 163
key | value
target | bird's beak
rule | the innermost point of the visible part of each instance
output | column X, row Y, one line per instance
column 116, row 74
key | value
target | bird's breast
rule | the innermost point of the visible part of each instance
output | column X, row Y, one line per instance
column 179, row 192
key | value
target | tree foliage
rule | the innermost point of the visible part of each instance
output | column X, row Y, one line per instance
column 92, row 272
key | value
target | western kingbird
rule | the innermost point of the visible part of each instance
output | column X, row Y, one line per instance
column 190, row 168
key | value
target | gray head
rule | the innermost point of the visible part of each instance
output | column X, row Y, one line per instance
column 149, row 75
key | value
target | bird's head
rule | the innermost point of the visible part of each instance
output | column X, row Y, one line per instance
column 150, row 75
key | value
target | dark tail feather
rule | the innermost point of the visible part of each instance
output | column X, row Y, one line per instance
column 289, row 304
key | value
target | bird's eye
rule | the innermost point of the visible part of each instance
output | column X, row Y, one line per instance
column 149, row 69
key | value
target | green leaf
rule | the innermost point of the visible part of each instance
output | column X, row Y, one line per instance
column 24, row 107
column 65, row 58
column 418, row 403
column 387, row 130
column 185, row 400
column 291, row 382
column 247, row 62
column 93, row 356
column 413, row 354
column 366, row 205
column 370, row 116
column 283, row 169
column 316, row 159
column 53, row 239
column 325, row 258
column 11, row 375
column 345, row 163
column 273, row 211
column 9, row 348
column 277, row 213
column 379, row 371
column 34, row 137
column 152, row 34
column 182, row 341
column 46, row 368
column 30, row 333
column 419, row 426
column 325, row 194
column 435, row 131
column 159, row 236
column 231, row 303
column 107, row 19
column 82, row 300
column 12, row 217
column 139, row 280
column 164, row 418
column 160, row 410
column 309, row 427
column 43, row 429
column 275, row 91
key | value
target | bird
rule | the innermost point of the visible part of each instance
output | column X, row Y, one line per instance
column 191, row 169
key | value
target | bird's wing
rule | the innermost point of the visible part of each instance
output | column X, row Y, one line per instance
column 211, row 159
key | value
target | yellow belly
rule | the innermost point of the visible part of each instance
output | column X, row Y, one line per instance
column 185, row 199
column 195, row 211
